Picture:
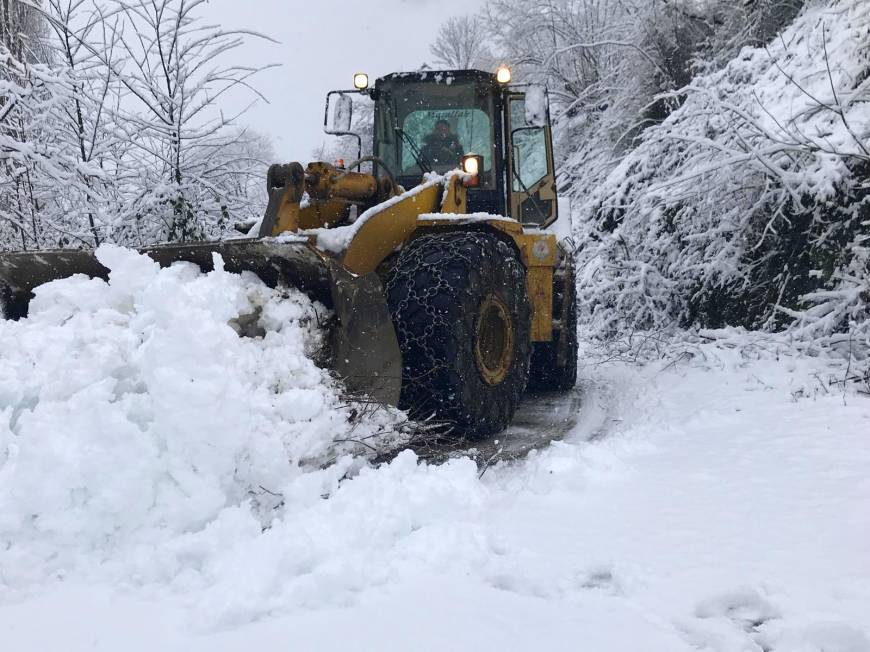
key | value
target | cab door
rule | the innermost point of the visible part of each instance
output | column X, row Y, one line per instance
column 531, row 177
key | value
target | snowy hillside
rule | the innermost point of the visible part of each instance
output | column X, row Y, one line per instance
column 748, row 204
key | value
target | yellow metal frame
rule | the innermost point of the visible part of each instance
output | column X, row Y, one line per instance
column 382, row 233
column 545, row 187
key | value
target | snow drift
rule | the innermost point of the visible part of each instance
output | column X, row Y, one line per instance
column 718, row 506
column 132, row 410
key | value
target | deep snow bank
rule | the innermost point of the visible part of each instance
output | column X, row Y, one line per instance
column 723, row 508
column 131, row 412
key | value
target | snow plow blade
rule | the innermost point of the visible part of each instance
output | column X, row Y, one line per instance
column 364, row 351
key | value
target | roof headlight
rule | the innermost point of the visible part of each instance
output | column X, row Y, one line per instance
column 360, row 81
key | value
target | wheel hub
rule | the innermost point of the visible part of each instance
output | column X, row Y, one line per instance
column 494, row 340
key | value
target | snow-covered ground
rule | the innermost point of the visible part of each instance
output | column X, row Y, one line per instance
column 721, row 502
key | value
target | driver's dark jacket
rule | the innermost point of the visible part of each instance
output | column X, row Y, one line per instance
column 442, row 151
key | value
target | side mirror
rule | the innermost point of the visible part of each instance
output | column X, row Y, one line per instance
column 536, row 106
column 339, row 122
column 342, row 115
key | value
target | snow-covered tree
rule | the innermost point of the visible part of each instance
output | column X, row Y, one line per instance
column 111, row 125
column 34, row 163
column 175, row 70
column 462, row 44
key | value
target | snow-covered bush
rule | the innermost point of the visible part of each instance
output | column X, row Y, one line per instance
column 748, row 205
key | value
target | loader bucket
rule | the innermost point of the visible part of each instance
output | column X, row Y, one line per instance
column 364, row 349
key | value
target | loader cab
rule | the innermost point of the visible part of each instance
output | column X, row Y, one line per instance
column 431, row 121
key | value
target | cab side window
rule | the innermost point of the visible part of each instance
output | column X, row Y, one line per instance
column 530, row 149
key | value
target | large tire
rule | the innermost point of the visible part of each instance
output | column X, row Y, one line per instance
column 463, row 318
column 554, row 363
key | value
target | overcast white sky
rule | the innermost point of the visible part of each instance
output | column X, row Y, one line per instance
column 321, row 44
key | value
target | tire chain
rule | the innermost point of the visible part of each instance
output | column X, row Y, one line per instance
column 413, row 263
column 425, row 258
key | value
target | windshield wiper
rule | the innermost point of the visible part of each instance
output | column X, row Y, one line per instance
column 421, row 160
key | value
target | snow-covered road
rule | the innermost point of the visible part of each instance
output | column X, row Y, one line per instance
column 724, row 504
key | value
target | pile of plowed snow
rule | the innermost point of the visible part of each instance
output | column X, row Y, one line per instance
column 132, row 412
column 717, row 502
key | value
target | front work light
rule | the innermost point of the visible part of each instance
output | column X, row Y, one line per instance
column 503, row 75
column 360, row 81
column 471, row 165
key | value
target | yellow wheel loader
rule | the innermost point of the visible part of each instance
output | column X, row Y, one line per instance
column 450, row 291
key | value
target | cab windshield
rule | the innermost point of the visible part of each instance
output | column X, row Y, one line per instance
column 430, row 124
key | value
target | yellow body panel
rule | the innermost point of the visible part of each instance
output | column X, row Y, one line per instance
column 323, row 214
column 383, row 232
column 291, row 217
column 287, row 218
column 538, row 251
column 454, row 197
column 539, row 281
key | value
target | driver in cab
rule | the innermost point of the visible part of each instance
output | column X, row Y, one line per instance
column 442, row 146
